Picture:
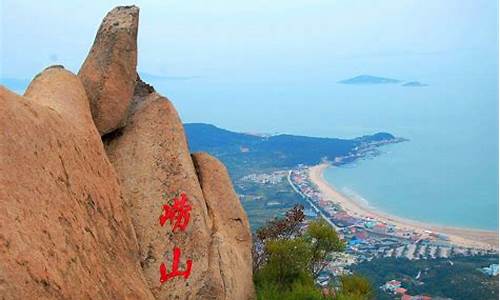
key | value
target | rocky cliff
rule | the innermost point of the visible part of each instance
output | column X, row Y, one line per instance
column 101, row 198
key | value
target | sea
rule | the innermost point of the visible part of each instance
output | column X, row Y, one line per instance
column 447, row 171
column 445, row 174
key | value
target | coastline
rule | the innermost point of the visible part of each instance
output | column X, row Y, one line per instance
column 466, row 237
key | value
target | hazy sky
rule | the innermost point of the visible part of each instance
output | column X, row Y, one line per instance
column 279, row 58
column 259, row 40
column 273, row 66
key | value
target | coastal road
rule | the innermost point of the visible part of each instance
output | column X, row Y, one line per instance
column 313, row 205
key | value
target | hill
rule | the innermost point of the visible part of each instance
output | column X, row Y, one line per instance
column 245, row 153
column 369, row 79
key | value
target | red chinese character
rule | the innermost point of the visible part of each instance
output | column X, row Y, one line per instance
column 164, row 276
column 178, row 213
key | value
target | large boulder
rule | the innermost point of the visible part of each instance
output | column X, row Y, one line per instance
column 64, row 231
column 74, row 227
column 109, row 71
column 231, row 236
column 152, row 159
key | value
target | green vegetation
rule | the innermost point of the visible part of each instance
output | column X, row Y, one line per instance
column 323, row 240
column 287, row 263
column 456, row 278
column 245, row 154
column 355, row 287
column 263, row 202
column 288, row 260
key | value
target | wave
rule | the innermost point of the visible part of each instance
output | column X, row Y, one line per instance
column 356, row 197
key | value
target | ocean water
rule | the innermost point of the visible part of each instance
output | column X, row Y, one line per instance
column 447, row 173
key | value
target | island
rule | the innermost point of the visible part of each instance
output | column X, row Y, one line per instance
column 414, row 84
column 369, row 79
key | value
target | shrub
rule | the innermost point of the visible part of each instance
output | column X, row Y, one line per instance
column 289, row 261
column 355, row 287
column 323, row 240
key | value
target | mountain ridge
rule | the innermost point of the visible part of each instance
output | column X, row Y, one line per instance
column 244, row 152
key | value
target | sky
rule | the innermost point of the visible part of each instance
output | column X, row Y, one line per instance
column 252, row 39
column 231, row 49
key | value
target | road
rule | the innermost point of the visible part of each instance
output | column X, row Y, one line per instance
column 313, row 205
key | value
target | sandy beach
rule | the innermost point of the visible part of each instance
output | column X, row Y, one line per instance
column 459, row 236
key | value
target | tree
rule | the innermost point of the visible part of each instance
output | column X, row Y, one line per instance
column 290, row 260
column 276, row 229
column 323, row 240
column 355, row 287
column 286, row 227
column 287, row 262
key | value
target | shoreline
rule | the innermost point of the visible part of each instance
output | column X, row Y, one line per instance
column 471, row 238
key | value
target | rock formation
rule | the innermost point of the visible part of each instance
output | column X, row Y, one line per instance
column 108, row 74
column 152, row 159
column 64, row 230
column 81, row 217
column 231, row 239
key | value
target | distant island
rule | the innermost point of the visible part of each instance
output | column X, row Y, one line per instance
column 414, row 84
column 369, row 79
